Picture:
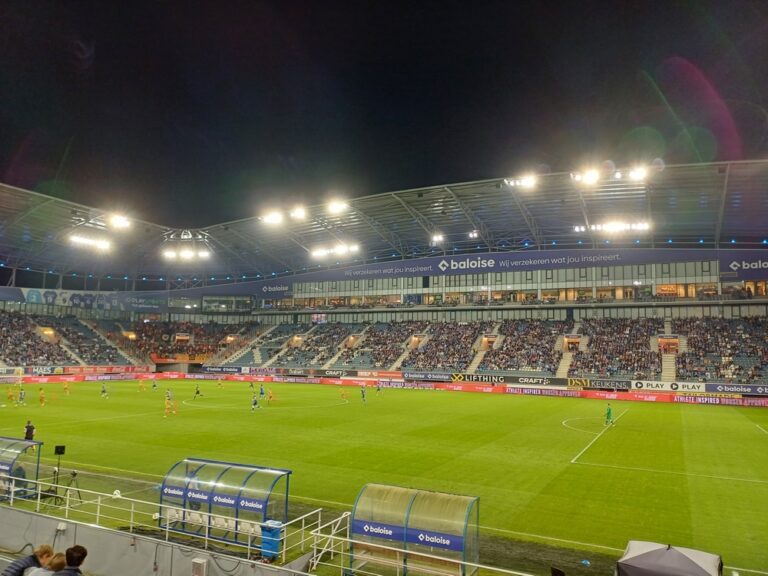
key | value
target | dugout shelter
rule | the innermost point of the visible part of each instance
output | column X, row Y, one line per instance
column 390, row 522
column 224, row 500
column 19, row 463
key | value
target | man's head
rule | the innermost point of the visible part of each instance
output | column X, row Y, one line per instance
column 76, row 555
column 57, row 562
column 44, row 552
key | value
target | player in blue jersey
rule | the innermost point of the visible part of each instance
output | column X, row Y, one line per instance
column 255, row 403
column 262, row 393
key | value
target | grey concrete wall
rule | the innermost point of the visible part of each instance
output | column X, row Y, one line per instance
column 116, row 553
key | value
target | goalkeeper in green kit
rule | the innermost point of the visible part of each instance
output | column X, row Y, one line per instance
column 609, row 416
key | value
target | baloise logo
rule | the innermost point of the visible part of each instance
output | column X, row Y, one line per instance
column 744, row 265
column 466, row 263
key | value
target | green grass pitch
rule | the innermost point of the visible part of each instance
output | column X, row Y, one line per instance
column 545, row 469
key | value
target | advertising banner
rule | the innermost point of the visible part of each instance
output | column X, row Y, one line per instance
column 434, row 539
column 488, row 389
column 599, row 384
column 223, row 369
column 378, row 530
column 542, row 392
column 753, row 389
column 11, row 371
column 427, row 376
column 656, row 386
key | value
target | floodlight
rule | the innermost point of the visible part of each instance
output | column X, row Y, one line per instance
column 187, row 254
column 169, row 254
column 473, row 234
column 638, row 173
column 337, row 206
column 203, row 254
column 354, row 248
column 618, row 175
column 590, row 176
column 298, row 213
column 320, row 252
column 273, row 218
column 437, row 238
column 99, row 244
column 119, row 221
column 528, row 181
column 340, row 249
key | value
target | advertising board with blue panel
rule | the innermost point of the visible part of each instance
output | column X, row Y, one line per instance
column 734, row 266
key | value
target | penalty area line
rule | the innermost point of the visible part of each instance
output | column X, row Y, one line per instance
column 596, row 438
column 675, row 473
column 761, row 428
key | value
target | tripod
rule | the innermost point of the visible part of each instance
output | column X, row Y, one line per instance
column 72, row 487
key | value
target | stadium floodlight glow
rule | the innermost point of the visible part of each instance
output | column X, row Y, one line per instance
column 337, row 206
column 437, row 238
column 119, row 221
column 528, row 181
column 615, row 227
column 169, row 254
column 338, row 250
column 186, row 254
column 274, row 217
column 203, row 254
column 473, row 234
column 618, row 175
column 97, row 243
column 638, row 173
column 298, row 213
column 590, row 177
column 579, row 228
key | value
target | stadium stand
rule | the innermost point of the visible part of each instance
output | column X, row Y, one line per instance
column 317, row 346
column 528, row 346
column 449, row 347
column 22, row 345
column 86, row 344
column 382, row 345
column 619, row 348
column 727, row 350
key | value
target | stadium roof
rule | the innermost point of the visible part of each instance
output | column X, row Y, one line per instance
column 708, row 205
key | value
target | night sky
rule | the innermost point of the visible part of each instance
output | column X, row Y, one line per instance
column 192, row 113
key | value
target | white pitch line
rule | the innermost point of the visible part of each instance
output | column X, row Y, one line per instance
column 656, row 471
column 552, row 538
column 86, row 466
column 580, row 429
column 596, row 438
column 745, row 570
column 761, row 428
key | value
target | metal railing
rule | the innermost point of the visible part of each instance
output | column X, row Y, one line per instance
column 201, row 529
column 332, row 548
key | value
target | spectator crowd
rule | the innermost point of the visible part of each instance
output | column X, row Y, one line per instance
column 21, row 345
column 450, row 346
column 728, row 350
column 619, row 347
column 528, row 345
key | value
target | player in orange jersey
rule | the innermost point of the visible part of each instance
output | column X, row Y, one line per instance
column 170, row 408
column 42, row 397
